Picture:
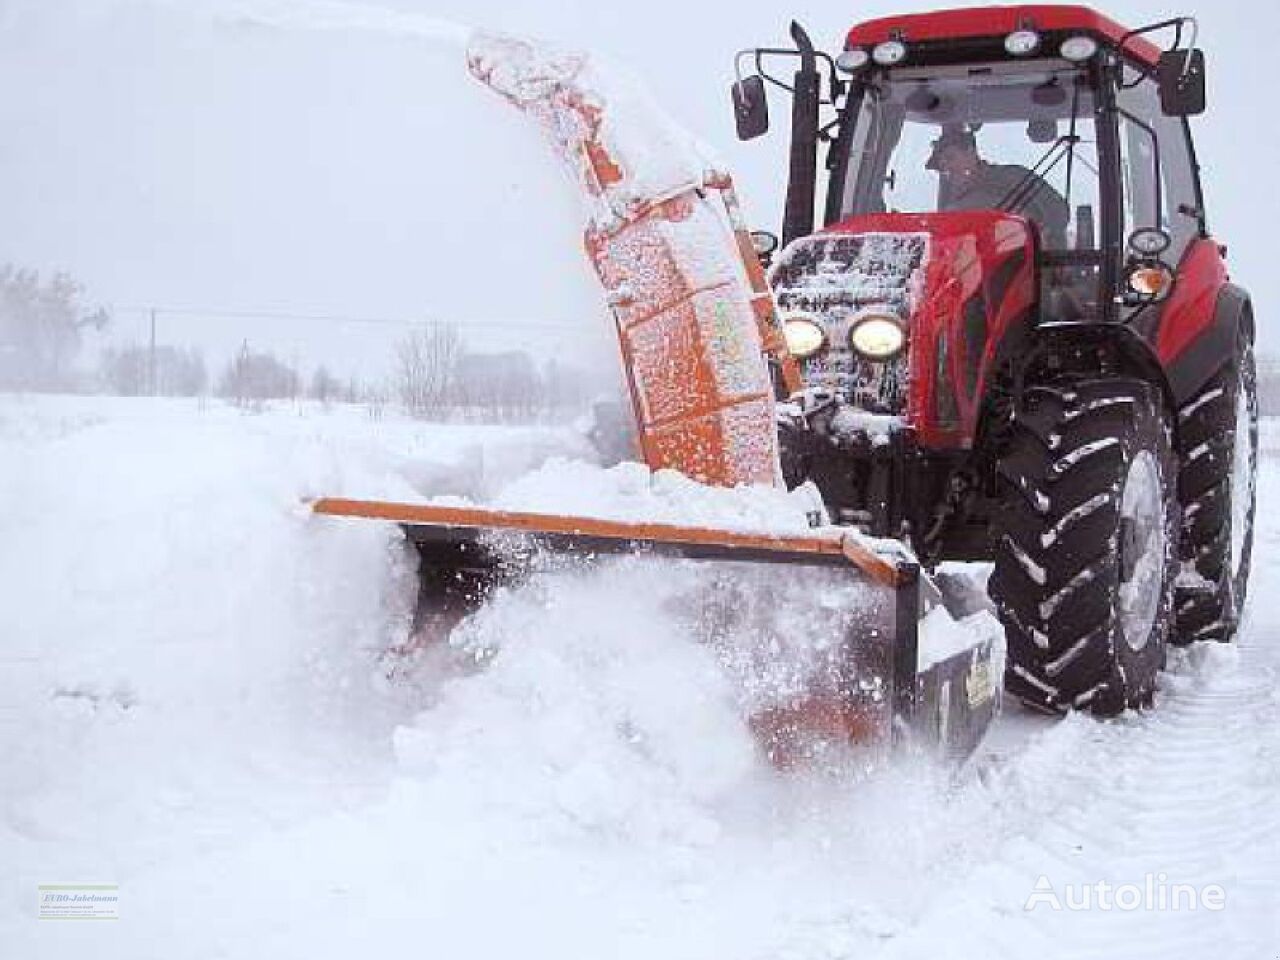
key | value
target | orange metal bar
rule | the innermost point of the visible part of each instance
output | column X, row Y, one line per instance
column 829, row 543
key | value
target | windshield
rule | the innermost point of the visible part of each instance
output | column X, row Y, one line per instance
column 1017, row 137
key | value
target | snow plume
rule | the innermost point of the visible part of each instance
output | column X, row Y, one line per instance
column 619, row 700
column 329, row 15
column 625, row 147
column 594, row 710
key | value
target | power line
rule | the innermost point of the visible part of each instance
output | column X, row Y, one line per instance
column 212, row 314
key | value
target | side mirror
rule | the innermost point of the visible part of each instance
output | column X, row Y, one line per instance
column 1180, row 75
column 750, row 107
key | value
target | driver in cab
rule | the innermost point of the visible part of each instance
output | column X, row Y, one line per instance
column 967, row 182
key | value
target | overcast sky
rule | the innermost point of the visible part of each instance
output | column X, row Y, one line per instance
column 268, row 157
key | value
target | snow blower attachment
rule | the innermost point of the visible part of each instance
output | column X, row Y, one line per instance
column 868, row 681
column 704, row 357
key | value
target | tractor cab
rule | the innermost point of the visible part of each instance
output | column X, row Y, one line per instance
column 1056, row 115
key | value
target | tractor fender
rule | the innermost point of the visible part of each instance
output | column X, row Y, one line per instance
column 1028, row 345
column 1191, row 369
column 1130, row 349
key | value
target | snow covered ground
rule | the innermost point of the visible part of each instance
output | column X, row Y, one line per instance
column 193, row 706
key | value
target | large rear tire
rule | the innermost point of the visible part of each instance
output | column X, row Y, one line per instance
column 1085, row 544
column 1218, row 448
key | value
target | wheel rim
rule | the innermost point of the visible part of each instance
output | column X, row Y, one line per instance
column 1142, row 525
column 1241, row 480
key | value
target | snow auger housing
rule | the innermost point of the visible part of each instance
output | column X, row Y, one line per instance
column 876, row 687
column 1017, row 339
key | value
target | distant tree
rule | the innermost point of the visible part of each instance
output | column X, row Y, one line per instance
column 40, row 329
column 190, row 377
column 426, row 364
column 127, row 371
column 500, row 386
column 510, row 386
column 375, row 400
column 325, row 387
column 352, row 391
column 565, row 387
column 250, row 378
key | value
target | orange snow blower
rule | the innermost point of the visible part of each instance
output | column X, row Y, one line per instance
column 704, row 358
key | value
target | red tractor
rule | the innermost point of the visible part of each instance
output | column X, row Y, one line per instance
column 1012, row 340
column 1017, row 337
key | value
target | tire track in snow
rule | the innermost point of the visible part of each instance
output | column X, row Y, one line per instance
column 1186, row 794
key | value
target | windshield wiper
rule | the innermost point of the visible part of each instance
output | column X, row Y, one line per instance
column 1022, row 191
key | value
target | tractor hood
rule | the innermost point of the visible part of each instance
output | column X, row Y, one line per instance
column 956, row 281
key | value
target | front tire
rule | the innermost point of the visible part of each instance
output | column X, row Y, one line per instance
column 1085, row 544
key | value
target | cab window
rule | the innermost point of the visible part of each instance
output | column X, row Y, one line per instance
column 1157, row 175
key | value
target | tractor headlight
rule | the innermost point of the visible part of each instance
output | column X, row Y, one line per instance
column 804, row 335
column 853, row 60
column 1150, row 280
column 877, row 336
column 1022, row 43
column 889, row 53
column 1078, row 49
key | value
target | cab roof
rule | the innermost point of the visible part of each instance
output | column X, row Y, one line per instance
column 973, row 22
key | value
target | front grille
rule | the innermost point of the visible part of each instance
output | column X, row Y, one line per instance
column 836, row 276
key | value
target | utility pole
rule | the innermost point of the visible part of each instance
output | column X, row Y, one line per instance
column 151, row 362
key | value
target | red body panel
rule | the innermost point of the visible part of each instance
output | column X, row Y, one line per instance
column 1189, row 312
column 996, row 22
column 981, row 254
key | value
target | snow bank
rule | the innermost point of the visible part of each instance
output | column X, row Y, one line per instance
column 632, row 492
column 183, row 643
column 192, row 673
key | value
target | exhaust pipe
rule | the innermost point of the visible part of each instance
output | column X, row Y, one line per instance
column 798, row 217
